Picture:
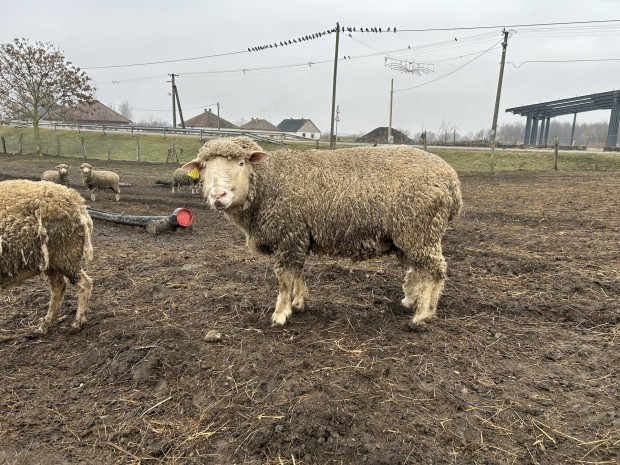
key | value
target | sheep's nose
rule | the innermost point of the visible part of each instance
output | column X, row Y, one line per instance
column 217, row 197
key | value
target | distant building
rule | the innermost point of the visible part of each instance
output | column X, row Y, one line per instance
column 208, row 119
column 256, row 124
column 94, row 113
column 301, row 127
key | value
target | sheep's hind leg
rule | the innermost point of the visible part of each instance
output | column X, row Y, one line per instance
column 423, row 288
column 300, row 292
column 118, row 193
column 283, row 310
column 57, row 287
column 85, row 287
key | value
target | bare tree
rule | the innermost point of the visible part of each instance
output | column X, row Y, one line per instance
column 37, row 79
column 125, row 109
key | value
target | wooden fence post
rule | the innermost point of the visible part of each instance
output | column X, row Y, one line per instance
column 57, row 146
column 109, row 147
column 138, row 148
column 83, row 146
column 556, row 146
column 3, row 144
column 20, row 144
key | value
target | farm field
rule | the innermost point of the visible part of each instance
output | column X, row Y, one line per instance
column 520, row 366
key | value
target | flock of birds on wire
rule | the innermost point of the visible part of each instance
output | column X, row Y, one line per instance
column 317, row 35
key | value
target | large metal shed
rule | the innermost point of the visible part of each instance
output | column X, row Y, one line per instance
column 539, row 115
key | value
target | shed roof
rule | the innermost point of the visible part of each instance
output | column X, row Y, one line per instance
column 95, row 112
column 208, row 119
column 259, row 124
column 295, row 125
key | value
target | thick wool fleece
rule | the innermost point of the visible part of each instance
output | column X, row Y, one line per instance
column 43, row 226
column 357, row 203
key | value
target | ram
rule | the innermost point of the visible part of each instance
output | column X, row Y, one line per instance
column 45, row 228
column 357, row 203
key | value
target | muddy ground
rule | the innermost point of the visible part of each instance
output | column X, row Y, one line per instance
column 520, row 367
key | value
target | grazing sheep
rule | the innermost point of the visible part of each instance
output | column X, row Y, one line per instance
column 181, row 177
column 45, row 228
column 99, row 180
column 357, row 203
column 60, row 176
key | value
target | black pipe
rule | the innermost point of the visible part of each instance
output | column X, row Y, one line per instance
column 139, row 220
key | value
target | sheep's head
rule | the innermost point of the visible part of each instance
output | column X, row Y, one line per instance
column 225, row 166
column 63, row 169
column 86, row 168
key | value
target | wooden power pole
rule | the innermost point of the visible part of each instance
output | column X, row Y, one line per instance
column 174, row 108
column 389, row 137
column 332, row 139
column 497, row 98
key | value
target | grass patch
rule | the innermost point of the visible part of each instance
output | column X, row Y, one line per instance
column 154, row 148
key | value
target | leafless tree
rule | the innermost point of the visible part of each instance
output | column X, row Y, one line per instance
column 125, row 109
column 36, row 79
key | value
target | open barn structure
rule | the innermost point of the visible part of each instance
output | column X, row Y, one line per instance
column 539, row 115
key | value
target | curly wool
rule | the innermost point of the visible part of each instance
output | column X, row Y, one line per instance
column 357, row 203
column 43, row 226
column 231, row 148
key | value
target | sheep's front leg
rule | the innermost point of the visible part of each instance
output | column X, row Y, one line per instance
column 93, row 196
column 286, row 278
column 300, row 292
column 57, row 287
column 85, row 287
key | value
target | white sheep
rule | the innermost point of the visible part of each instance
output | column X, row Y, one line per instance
column 181, row 177
column 357, row 203
column 60, row 175
column 45, row 228
column 100, row 180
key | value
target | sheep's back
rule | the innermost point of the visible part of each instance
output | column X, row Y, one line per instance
column 364, row 197
column 42, row 226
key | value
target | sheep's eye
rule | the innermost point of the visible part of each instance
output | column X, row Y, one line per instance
column 241, row 163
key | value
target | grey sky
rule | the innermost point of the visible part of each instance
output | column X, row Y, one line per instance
column 96, row 33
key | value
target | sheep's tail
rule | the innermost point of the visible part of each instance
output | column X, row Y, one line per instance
column 457, row 200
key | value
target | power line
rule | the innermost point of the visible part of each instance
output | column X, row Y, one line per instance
column 514, row 63
column 167, row 61
column 508, row 26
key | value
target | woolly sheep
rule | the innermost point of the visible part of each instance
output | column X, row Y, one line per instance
column 99, row 180
column 357, row 203
column 181, row 177
column 60, row 176
column 45, row 228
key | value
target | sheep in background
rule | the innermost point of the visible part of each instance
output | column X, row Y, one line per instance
column 99, row 180
column 358, row 203
column 60, row 176
column 45, row 228
column 181, row 177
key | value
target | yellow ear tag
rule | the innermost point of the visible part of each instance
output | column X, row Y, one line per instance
column 194, row 173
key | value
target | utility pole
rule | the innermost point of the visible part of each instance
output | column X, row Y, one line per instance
column 176, row 93
column 389, row 138
column 497, row 98
column 337, row 119
column 218, row 115
column 174, row 110
column 332, row 140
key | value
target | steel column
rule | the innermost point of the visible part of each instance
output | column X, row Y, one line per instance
column 614, row 124
column 572, row 133
column 528, row 128
column 546, row 136
column 534, row 131
column 543, row 120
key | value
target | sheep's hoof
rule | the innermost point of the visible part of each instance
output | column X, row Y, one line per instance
column 76, row 325
column 278, row 319
column 42, row 329
column 299, row 305
column 420, row 327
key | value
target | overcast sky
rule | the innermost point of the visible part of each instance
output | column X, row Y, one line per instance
column 296, row 80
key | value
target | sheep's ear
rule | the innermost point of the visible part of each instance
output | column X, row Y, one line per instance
column 257, row 157
column 194, row 168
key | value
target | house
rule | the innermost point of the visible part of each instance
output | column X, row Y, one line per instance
column 301, row 127
column 256, row 124
column 208, row 119
column 93, row 113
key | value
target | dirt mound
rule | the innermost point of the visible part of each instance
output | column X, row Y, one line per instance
column 380, row 136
